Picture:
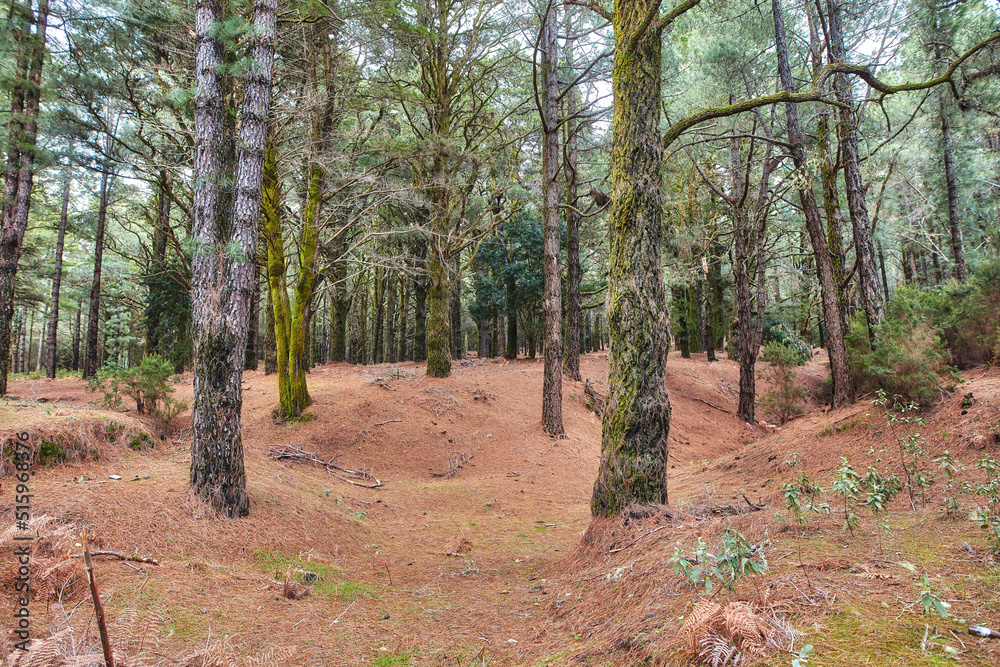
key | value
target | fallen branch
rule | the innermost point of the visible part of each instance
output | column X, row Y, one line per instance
column 120, row 556
column 711, row 405
column 456, row 462
column 596, row 401
column 637, row 540
column 296, row 453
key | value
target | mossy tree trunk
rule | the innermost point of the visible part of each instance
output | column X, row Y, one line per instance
column 636, row 423
column 438, row 338
column 226, row 207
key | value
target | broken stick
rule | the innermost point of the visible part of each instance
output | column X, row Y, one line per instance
column 109, row 658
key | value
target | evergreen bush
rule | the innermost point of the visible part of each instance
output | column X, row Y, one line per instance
column 787, row 397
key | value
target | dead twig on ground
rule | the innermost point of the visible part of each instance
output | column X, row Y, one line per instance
column 135, row 558
column 711, row 405
column 456, row 462
column 637, row 540
column 296, row 453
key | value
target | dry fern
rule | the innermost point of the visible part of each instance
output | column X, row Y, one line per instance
column 733, row 634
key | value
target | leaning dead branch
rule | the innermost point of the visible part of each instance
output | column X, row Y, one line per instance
column 595, row 399
column 360, row 478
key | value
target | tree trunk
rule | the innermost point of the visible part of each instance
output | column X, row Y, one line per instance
column 339, row 308
column 843, row 392
column 253, row 330
column 954, row 221
column 552, row 421
column 270, row 334
column 404, row 319
column 378, row 319
column 438, row 337
column 76, row 334
column 573, row 273
column 50, row 370
column 20, row 173
column 420, row 317
column 455, row 315
column 511, row 318
column 41, row 339
column 636, row 423
column 222, row 271
column 390, row 318
column 484, row 339
column 864, row 246
column 91, row 360
column 293, row 395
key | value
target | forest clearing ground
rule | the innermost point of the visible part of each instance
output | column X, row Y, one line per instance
column 486, row 564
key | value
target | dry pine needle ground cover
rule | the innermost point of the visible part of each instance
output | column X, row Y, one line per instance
column 478, row 548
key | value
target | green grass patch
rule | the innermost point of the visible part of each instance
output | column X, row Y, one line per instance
column 328, row 580
column 395, row 660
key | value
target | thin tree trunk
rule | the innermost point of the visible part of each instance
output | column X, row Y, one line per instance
column 270, row 336
column 253, row 330
column 404, row 319
column 420, row 285
column 636, row 423
column 41, row 339
column 843, row 392
column 339, row 308
column 455, row 315
column 864, row 247
column 390, row 319
column 573, row 273
column 20, row 173
column 954, row 221
column 50, row 370
column 77, row 333
column 91, row 358
column 511, row 317
column 552, row 421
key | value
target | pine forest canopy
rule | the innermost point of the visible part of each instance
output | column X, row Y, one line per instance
column 297, row 183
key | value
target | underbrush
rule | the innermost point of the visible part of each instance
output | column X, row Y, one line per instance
column 73, row 441
column 147, row 384
column 926, row 334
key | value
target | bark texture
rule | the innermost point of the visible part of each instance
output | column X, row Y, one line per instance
column 954, row 220
column 864, row 247
column 552, row 421
column 22, row 131
column 635, row 426
column 92, row 355
column 225, row 239
column 843, row 391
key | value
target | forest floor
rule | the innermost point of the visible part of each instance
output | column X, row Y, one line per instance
column 476, row 550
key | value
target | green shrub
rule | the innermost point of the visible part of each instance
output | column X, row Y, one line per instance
column 787, row 397
column 907, row 357
column 147, row 384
